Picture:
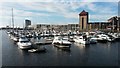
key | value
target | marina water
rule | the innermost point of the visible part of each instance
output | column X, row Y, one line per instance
column 100, row 54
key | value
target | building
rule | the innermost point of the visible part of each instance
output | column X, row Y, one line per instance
column 83, row 20
column 98, row 25
column 118, row 23
column 58, row 28
column 114, row 23
column 84, row 24
column 27, row 23
column 73, row 27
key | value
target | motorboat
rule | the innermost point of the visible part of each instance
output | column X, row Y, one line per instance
column 92, row 40
column 100, row 38
column 43, row 49
column 115, row 35
column 71, row 39
column 24, row 43
column 81, row 39
column 48, row 38
column 16, row 38
column 104, row 38
column 61, row 42
column 29, row 35
column 110, row 38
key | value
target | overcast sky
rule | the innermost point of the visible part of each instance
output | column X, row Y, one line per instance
column 63, row 12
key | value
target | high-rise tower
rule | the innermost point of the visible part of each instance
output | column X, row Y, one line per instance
column 83, row 20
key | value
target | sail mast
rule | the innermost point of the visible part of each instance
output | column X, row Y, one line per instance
column 12, row 19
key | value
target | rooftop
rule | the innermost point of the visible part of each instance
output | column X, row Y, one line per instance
column 83, row 13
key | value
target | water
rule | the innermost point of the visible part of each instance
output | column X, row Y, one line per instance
column 100, row 54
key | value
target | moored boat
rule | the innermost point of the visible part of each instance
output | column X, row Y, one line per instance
column 60, row 42
column 81, row 39
column 24, row 43
column 37, row 50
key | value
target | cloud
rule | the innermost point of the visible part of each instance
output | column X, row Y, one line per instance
column 95, row 18
column 26, row 1
column 59, row 1
column 67, row 10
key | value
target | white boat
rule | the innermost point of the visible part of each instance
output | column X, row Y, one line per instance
column 92, row 40
column 37, row 50
column 24, row 43
column 16, row 38
column 29, row 35
column 71, row 39
column 11, row 37
column 81, row 39
column 60, row 42
column 115, row 35
column 49, row 39
column 8, row 32
column 110, row 38
column 101, row 38
column 104, row 38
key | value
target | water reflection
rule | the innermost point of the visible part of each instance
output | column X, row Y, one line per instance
column 84, row 49
column 109, row 44
column 23, row 52
column 63, row 51
column 81, row 46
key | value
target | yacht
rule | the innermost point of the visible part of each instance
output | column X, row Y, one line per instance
column 100, row 38
column 81, row 39
column 110, row 38
column 41, row 49
column 48, row 38
column 24, row 43
column 114, row 35
column 92, row 40
column 71, row 39
column 61, row 42
column 16, row 38
column 29, row 35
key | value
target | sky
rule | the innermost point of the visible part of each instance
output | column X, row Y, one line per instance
column 58, row 12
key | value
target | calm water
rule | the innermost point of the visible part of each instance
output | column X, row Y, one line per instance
column 95, row 55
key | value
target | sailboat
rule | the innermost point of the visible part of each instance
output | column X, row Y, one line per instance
column 14, row 35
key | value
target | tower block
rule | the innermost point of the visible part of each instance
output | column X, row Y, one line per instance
column 83, row 21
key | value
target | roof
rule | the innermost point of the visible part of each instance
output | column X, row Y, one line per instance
column 83, row 13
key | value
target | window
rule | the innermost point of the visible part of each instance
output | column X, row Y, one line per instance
column 80, row 38
column 24, row 41
column 82, row 23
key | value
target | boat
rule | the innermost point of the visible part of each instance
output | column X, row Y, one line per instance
column 103, row 38
column 29, row 35
column 48, row 38
column 110, row 38
column 100, row 38
column 92, row 40
column 16, row 38
column 61, row 42
column 24, row 43
column 37, row 50
column 71, row 39
column 82, row 39
column 114, row 35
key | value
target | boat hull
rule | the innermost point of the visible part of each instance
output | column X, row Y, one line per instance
column 82, row 42
column 62, row 45
column 21, row 46
column 102, row 41
column 37, row 50
column 24, row 47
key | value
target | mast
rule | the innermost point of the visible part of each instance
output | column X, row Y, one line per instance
column 12, row 19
